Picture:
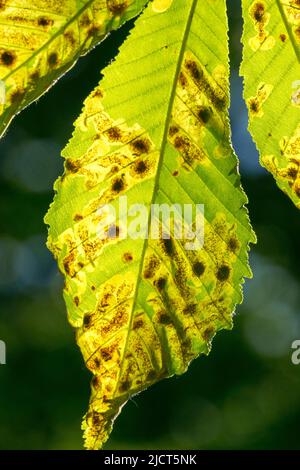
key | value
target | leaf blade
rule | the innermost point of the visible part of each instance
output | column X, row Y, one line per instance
column 270, row 69
column 42, row 41
column 156, row 130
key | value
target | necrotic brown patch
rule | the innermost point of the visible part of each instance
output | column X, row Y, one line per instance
column 258, row 11
column 53, row 59
column 138, row 324
column 151, row 375
column 71, row 165
column 140, row 167
column 125, row 386
column 194, row 70
column 168, row 246
column 69, row 36
column 77, row 217
column 118, row 185
column 204, row 114
column 140, row 146
column 17, row 96
column 223, row 273
column 165, row 319
column 233, row 244
column 198, row 268
column 87, row 320
column 95, row 381
column 43, row 21
column 114, row 134
column 34, row 76
column 161, row 283
column 127, row 257
column 117, row 7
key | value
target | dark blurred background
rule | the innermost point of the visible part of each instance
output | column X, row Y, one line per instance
column 245, row 395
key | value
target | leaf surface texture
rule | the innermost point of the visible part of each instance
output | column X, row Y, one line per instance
column 41, row 39
column 271, row 71
column 156, row 131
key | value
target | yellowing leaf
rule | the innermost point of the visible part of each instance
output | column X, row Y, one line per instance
column 41, row 39
column 156, row 131
column 271, row 70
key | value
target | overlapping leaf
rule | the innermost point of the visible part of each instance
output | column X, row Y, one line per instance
column 271, row 70
column 41, row 39
column 156, row 131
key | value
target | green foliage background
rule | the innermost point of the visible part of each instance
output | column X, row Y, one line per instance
column 245, row 395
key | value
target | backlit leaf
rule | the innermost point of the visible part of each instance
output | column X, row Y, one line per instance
column 156, row 131
column 271, row 70
column 41, row 39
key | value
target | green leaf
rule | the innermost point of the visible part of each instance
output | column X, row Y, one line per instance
column 41, row 39
column 271, row 74
column 156, row 131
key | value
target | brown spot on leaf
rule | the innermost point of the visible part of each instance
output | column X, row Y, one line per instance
column 7, row 58
column 43, row 21
column 254, row 105
column 117, row 7
column 17, row 96
column 258, row 11
column 151, row 266
column 118, row 185
column 223, row 273
column 233, row 244
column 114, row 134
column 173, row 130
column 161, row 283
column 182, row 80
column 106, row 354
column 198, row 268
column 87, row 320
column 204, row 114
column 77, row 217
column 282, row 37
column 127, row 257
column 190, row 309
column 71, row 165
column 138, row 324
column 125, row 386
column 95, row 381
column 168, row 246
column 113, row 231
column 69, row 36
column 151, row 376
column 164, row 319
column 140, row 146
column 53, row 59
column 208, row 333
column 194, row 70
column 140, row 167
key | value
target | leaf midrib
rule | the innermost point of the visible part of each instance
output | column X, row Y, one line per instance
column 159, row 166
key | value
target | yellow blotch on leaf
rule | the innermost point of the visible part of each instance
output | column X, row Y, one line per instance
column 161, row 5
column 263, row 40
column 255, row 102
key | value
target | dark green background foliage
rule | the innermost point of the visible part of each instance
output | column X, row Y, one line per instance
column 245, row 395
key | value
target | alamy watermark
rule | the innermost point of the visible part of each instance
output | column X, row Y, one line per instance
column 2, row 92
column 2, row 353
column 296, row 354
column 161, row 221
